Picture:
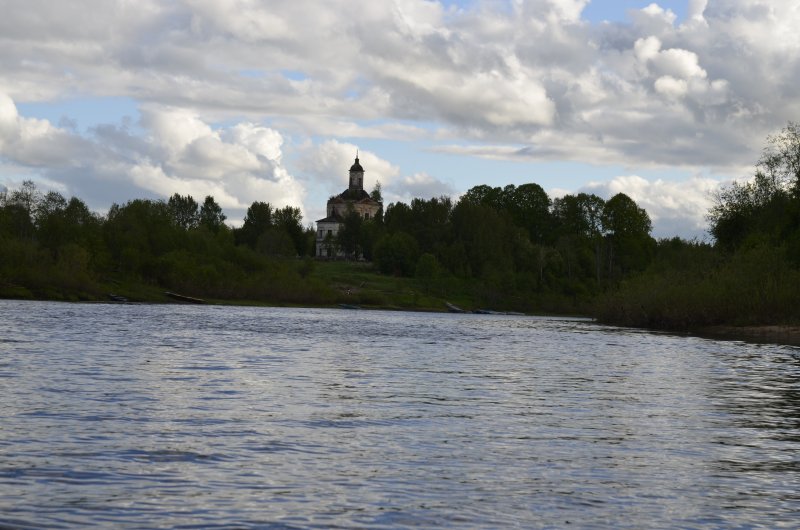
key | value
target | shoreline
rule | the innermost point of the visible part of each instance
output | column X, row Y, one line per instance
column 783, row 334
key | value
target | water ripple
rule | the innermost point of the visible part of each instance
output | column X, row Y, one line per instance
column 136, row 416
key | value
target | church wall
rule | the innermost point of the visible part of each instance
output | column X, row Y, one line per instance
column 364, row 210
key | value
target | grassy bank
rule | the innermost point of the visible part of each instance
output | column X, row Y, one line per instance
column 756, row 286
column 323, row 284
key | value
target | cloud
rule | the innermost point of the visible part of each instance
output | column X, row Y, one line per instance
column 327, row 165
column 419, row 186
column 676, row 208
column 179, row 153
column 229, row 89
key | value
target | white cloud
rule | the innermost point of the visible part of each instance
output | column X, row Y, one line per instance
column 419, row 186
column 521, row 80
column 695, row 10
column 327, row 165
column 675, row 207
column 180, row 154
column 671, row 87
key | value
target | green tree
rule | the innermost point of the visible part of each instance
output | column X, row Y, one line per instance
column 487, row 237
column 484, row 195
column 398, row 217
column 349, row 235
column 184, row 210
column 427, row 270
column 289, row 219
column 578, row 220
column 138, row 233
column 396, row 254
column 377, row 192
column 276, row 242
column 18, row 210
column 27, row 196
column 257, row 220
column 780, row 160
column 429, row 222
column 211, row 215
column 371, row 231
column 529, row 206
column 627, row 228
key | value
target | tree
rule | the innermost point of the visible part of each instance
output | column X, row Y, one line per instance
column 257, row 220
column 211, row 215
column 18, row 210
column 579, row 221
column 51, row 204
column 27, row 197
column 429, row 222
column 623, row 217
column 780, row 160
column 396, row 254
column 761, row 208
column 289, row 219
column 487, row 237
column 529, row 206
column 398, row 216
column 627, row 228
column 371, row 231
column 349, row 235
column 484, row 195
column 376, row 193
column 138, row 233
column 184, row 210
column 50, row 225
column 427, row 270
column 276, row 242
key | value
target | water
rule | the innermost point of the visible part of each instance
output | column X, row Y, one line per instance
column 141, row 416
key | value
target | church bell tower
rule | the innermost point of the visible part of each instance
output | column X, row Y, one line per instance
column 356, row 176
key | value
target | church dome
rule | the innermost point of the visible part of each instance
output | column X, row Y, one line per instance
column 356, row 167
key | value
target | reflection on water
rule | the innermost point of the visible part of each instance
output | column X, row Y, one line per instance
column 133, row 416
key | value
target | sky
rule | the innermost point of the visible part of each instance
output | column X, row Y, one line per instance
column 248, row 100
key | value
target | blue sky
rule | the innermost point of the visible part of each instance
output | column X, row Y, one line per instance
column 665, row 101
column 617, row 10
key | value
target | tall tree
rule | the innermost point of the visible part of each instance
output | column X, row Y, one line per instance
column 377, row 192
column 579, row 222
column 529, row 206
column 627, row 228
column 211, row 215
column 780, row 161
column 184, row 210
column 289, row 219
column 257, row 220
column 349, row 235
column 485, row 195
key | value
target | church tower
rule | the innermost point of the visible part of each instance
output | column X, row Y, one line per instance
column 356, row 177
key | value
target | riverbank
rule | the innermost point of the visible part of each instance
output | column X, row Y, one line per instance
column 348, row 284
column 323, row 284
column 769, row 334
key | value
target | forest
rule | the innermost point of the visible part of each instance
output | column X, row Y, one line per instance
column 509, row 248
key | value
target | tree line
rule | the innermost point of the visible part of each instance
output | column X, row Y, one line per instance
column 512, row 247
column 57, row 248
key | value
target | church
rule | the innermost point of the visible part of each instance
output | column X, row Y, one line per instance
column 355, row 199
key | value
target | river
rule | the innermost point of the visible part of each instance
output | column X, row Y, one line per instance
column 172, row 416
